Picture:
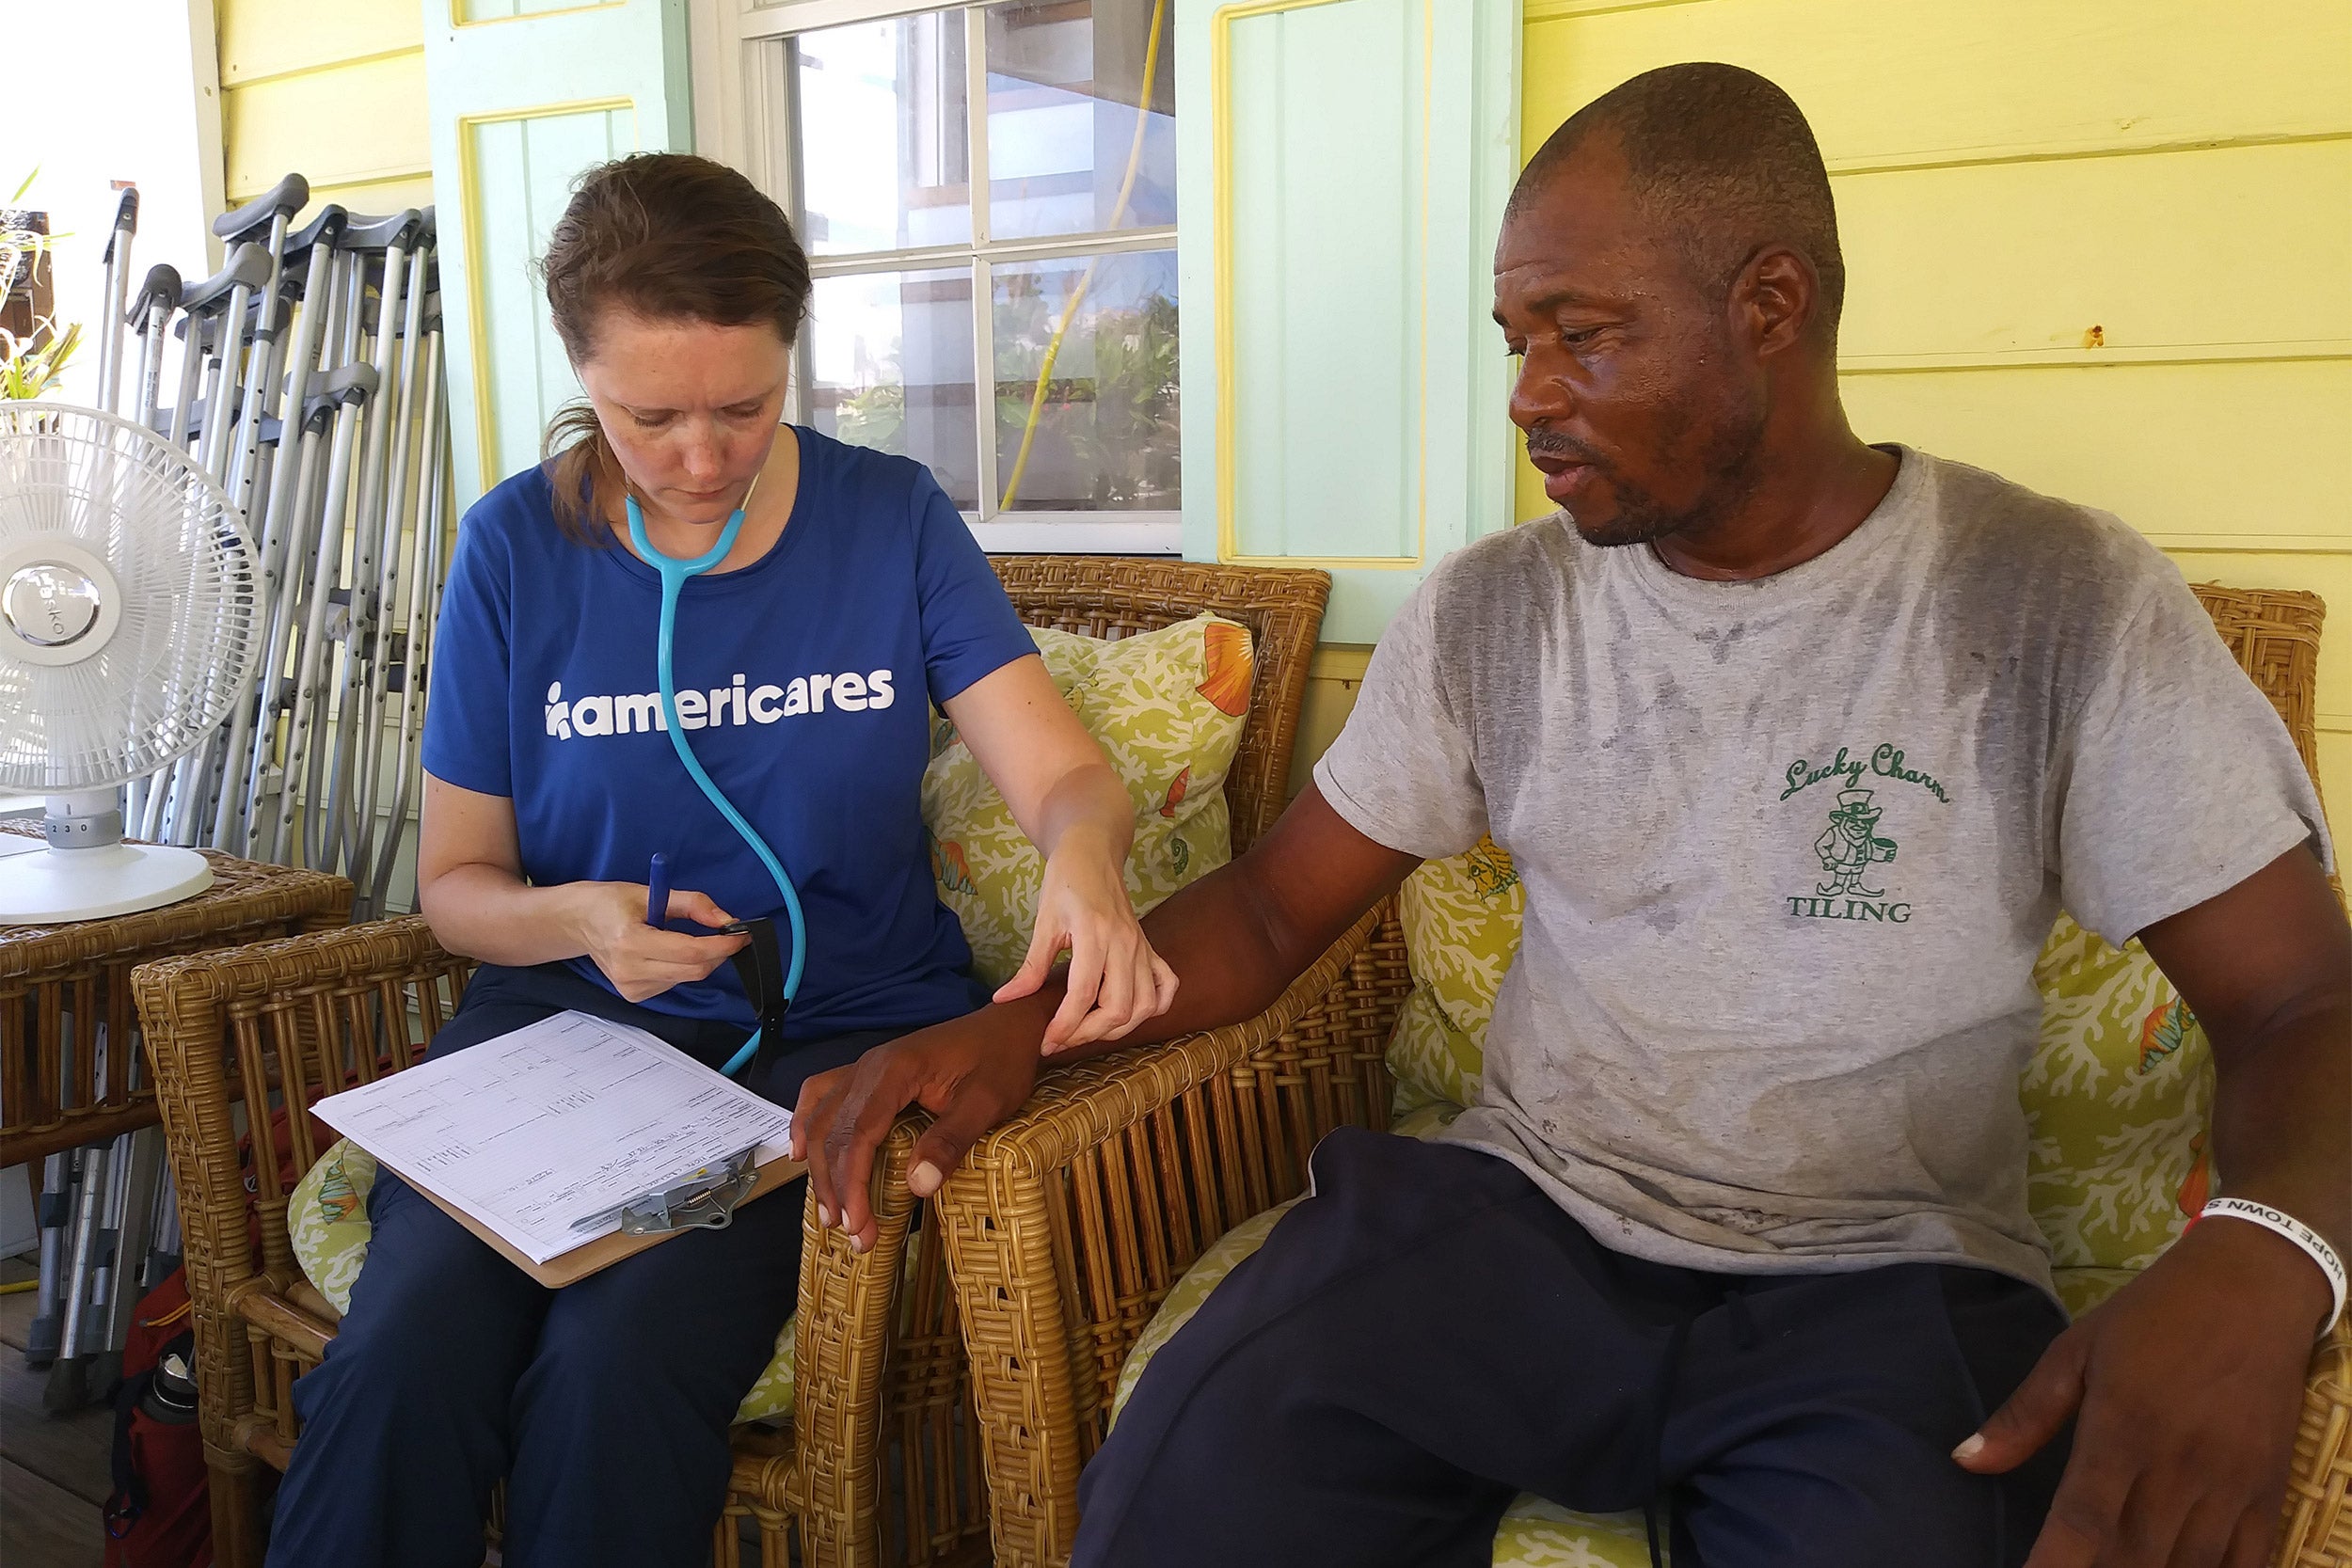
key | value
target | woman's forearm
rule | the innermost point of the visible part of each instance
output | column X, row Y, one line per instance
column 486, row 912
column 1086, row 806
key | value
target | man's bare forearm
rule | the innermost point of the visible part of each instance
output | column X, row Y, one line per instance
column 2283, row 1119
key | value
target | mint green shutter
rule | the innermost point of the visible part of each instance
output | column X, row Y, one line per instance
column 524, row 95
column 1343, row 168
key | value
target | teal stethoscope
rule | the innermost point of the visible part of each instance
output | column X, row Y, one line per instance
column 673, row 575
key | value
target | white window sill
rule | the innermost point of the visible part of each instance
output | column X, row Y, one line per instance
column 1080, row 533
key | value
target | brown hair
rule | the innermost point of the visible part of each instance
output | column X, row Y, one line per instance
column 662, row 235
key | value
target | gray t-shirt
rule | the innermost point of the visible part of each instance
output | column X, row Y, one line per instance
column 1790, row 848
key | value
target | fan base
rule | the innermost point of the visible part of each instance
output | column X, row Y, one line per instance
column 49, row 887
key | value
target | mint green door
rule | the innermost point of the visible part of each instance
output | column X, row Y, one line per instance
column 524, row 94
column 1343, row 168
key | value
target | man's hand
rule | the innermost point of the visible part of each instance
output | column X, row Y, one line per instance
column 2187, row 1382
column 1236, row 937
column 970, row 1074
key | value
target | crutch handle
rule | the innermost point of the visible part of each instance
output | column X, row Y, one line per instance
column 366, row 233
column 288, row 196
column 126, row 221
column 354, row 383
column 161, row 287
column 327, row 225
column 248, row 266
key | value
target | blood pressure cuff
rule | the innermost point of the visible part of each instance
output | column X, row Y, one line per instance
column 760, row 964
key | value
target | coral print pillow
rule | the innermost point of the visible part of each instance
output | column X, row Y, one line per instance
column 1168, row 707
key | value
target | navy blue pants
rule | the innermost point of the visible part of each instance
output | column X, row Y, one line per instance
column 604, row 1405
column 1429, row 1335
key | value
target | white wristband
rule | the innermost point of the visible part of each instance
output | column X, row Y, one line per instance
column 2294, row 1230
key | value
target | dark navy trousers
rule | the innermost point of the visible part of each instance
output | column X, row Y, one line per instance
column 1429, row 1335
column 604, row 1405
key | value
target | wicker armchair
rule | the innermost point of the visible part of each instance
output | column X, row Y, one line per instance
column 880, row 1389
column 1067, row 1225
column 61, row 985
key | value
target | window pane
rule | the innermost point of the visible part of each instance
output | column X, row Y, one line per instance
column 889, row 358
column 1103, row 437
column 882, row 139
column 1077, row 141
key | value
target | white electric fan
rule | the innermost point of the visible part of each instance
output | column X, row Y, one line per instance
column 129, row 603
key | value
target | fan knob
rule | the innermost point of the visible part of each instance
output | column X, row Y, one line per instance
column 50, row 604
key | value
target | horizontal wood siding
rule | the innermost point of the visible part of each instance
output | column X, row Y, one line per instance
column 333, row 89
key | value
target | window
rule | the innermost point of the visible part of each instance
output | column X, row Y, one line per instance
column 988, row 195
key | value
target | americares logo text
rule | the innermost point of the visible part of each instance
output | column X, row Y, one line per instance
column 640, row 712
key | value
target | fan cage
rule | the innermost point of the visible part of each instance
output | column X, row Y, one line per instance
column 187, row 589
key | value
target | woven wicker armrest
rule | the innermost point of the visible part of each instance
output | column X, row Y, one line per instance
column 2318, row 1514
column 1084, row 1104
column 1067, row 1225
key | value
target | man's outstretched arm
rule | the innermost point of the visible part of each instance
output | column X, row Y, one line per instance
column 2185, row 1386
column 1235, row 939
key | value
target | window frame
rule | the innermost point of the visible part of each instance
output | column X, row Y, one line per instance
column 744, row 114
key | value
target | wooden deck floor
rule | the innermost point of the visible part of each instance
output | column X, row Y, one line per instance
column 54, row 1476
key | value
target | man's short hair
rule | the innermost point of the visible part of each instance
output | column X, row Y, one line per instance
column 1724, row 158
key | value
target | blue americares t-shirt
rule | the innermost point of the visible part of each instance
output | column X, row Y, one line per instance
column 803, row 679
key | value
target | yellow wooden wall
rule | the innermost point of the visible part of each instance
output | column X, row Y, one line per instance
column 2102, row 247
column 331, row 88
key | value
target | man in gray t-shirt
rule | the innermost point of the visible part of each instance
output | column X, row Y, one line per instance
column 1791, row 843
column 1798, row 745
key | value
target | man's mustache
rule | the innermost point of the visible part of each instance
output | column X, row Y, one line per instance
column 1550, row 443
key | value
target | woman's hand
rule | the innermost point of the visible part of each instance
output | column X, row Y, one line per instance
column 1115, row 981
column 643, row 960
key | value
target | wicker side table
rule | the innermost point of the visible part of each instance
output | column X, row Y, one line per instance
column 59, row 982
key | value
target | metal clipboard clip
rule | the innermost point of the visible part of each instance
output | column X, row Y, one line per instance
column 704, row 1199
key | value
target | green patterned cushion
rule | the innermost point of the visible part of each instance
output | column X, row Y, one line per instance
column 1168, row 707
column 1533, row 1534
column 1461, row 920
column 326, row 1221
column 2117, row 1096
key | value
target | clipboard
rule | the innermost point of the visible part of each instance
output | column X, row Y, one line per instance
column 568, row 1268
column 524, row 1139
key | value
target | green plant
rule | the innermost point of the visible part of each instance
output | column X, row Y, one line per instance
column 30, row 366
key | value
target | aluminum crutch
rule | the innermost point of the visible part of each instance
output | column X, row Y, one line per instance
column 309, row 253
column 267, row 215
column 301, row 561
column 317, row 579
column 262, row 220
column 382, row 595
column 152, row 308
column 110, row 311
column 61, row 1177
column 342, row 829
column 132, row 1229
column 66, row 1389
column 347, row 393
column 425, row 594
column 217, row 304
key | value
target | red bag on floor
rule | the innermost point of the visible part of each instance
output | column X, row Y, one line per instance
column 160, row 1515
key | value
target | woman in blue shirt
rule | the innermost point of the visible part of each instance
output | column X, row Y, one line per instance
column 852, row 594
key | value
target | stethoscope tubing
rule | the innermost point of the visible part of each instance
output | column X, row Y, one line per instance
column 673, row 572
